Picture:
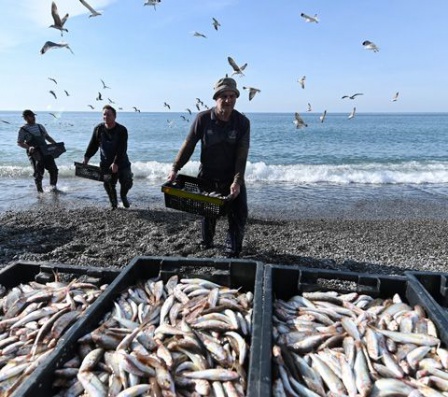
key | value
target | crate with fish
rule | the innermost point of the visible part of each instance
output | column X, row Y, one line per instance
column 89, row 172
column 196, row 196
column 348, row 334
column 166, row 326
column 39, row 303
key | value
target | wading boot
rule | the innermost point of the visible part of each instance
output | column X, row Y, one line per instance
column 112, row 193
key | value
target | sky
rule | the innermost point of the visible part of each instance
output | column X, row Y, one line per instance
column 148, row 55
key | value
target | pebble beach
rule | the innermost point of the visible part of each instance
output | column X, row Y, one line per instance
column 95, row 236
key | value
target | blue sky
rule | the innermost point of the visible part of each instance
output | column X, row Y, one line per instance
column 148, row 57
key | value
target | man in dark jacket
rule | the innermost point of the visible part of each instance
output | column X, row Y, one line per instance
column 32, row 136
column 112, row 140
column 225, row 136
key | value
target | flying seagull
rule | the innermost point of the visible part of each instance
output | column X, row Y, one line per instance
column 93, row 12
column 302, row 82
column 322, row 116
column 53, row 115
column 252, row 91
column 352, row 96
column 368, row 45
column 91, row 107
column 52, row 79
column 167, row 105
column 58, row 23
column 395, row 98
column 50, row 45
column 152, row 3
column 104, row 84
column 309, row 19
column 136, row 109
column 188, row 110
column 66, row 93
column 53, row 93
column 298, row 121
column 197, row 34
column 99, row 97
column 216, row 24
column 6, row 122
column 309, row 107
column 237, row 69
column 110, row 101
column 352, row 114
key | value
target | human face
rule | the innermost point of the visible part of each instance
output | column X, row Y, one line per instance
column 109, row 117
column 225, row 102
column 30, row 118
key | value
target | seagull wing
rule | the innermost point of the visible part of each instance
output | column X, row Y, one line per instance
column 53, row 93
column 55, row 15
column 232, row 63
column 358, row 93
column 322, row 117
column 90, row 8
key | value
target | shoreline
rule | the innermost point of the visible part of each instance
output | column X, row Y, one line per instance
column 95, row 236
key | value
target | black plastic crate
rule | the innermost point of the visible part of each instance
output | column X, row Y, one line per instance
column 190, row 194
column 53, row 149
column 247, row 275
column 89, row 171
column 43, row 272
column 281, row 281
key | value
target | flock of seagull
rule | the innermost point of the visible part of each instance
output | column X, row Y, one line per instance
column 58, row 23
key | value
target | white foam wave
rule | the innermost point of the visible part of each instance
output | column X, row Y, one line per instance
column 342, row 174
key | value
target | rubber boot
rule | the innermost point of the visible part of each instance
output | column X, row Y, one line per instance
column 123, row 196
column 112, row 193
column 39, row 186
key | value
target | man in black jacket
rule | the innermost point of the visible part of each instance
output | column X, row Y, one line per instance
column 112, row 140
column 225, row 136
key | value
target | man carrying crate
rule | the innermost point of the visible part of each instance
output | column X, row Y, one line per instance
column 112, row 140
column 225, row 136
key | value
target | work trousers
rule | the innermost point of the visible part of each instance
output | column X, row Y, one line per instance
column 124, row 176
column 41, row 163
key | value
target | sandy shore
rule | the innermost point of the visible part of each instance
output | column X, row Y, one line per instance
column 95, row 236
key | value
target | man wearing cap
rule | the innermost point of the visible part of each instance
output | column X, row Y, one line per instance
column 225, row 136
column 31, row 137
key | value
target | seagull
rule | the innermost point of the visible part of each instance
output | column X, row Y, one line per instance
column 184, row 118
column 352, row 96
column 237, row 69
column 197, row 34
column 322, row 116
column 104, row 84
column 352, row 114
column 309, row 19
column 309, row 107
column 66, row 93
column 91, row 107
column 53, row 115
column 188, row 110
column 99, row 97
column 302, row 82
column 6, row 122
column 395, row 98
column 110, row 101
column 368, row 45
column 52, row 79
column 58, row 22
column 53, row 93
column 50, row 45
column 135, row 109
column 167, row 105
column 252, row 91
column 152, row 3
column 198, row 107
column 216, row 24
column 298, row 121
column 93, row 12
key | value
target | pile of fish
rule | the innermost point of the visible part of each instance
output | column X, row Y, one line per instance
column 332, row 344
column 185, row 337
column 33, row 317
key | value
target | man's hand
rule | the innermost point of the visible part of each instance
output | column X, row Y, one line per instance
column 172, row 176
column 235, row 189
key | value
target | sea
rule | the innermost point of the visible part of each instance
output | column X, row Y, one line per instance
column 375, row 165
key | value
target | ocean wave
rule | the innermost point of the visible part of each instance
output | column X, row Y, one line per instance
column 413, row 172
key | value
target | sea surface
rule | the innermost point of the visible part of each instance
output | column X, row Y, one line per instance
column 372, row 166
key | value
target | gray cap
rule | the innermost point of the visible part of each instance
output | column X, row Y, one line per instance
column 225, row 84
